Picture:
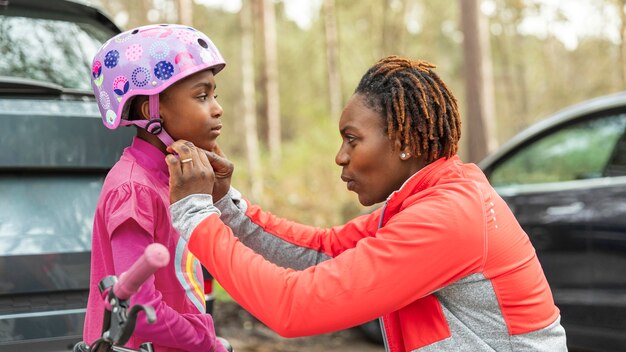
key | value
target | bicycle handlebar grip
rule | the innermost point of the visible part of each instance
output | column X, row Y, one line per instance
column 154, row 257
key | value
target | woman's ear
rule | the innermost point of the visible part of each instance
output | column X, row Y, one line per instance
column 405, row 154
column 404, row 151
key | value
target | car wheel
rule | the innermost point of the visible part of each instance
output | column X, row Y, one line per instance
column 372, row 331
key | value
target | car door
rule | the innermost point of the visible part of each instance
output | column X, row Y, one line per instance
column 608, row 245
column 564, row 190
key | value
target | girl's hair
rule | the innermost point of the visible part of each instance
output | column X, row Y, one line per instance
column 417, row 107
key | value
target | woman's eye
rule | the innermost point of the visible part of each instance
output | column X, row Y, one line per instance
column 203, row 97
column 215, row 96
column 350, row 138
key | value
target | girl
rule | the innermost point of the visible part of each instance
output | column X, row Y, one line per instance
column 444, row 263
column 159, row 78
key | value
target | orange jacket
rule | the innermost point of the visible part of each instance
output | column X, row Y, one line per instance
column 444, row 263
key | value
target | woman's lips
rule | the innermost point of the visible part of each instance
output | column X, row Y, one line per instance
column 349, row 182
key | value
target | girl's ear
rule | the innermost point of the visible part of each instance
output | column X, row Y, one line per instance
column 144, row 109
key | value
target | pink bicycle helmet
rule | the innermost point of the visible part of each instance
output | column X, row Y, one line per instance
column 145, row 61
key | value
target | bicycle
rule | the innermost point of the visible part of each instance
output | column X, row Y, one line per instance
column 119, row 317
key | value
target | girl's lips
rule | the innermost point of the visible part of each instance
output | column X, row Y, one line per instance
column 216, row 131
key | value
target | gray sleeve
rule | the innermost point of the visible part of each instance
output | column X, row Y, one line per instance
column 188, row 212
column 271, row 247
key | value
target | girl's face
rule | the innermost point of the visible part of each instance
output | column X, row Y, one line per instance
column 190, row 111
column 372, row 167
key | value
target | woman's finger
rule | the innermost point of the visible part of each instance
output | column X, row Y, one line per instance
column 204, row 159
column 175, row 148
column 173, row 165
column 185, row 151
column 221, row 165
column 217, row 150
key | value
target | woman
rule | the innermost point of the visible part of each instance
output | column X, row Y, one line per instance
column 444, row 262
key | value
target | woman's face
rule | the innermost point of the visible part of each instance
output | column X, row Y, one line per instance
column 372, row 167
column 190, row 111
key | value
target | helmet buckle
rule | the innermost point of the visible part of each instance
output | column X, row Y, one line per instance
column 154, row 126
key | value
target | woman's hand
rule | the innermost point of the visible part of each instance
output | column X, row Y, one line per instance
column 190, row 172
column 223, row 169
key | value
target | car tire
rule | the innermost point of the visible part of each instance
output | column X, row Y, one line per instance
column 372, row 331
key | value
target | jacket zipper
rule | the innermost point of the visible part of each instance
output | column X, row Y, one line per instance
column 381, row 320
column 380, row 224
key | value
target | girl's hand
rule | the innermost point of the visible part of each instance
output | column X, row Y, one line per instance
column 190, row 172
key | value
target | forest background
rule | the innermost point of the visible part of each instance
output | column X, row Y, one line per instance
column 292, row 64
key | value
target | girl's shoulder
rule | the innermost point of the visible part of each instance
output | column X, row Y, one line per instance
column 127, row 181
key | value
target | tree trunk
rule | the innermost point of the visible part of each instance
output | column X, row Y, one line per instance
column 332, row 59
column 185, row 12
column 479, row 93
column 393, row 27
column 621, row 4
column 271, row 81
column 249, row 101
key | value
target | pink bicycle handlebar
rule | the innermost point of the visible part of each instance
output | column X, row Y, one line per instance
column 154, row 257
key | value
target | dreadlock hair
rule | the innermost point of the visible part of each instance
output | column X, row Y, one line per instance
column 417, row 107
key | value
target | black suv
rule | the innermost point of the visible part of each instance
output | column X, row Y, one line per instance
column 55, row 154
column 565, row 180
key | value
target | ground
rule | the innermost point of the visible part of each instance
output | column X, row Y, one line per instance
column 247, row 334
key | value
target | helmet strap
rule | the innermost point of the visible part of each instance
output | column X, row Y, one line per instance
column 155, row 125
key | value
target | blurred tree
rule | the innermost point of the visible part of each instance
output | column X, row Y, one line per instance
column 393, row 27
column 620, row 7
column 272, row 96
column 534, row 72
column 512, row 99
column 248, row 101
column 478, row 82
column 185, row 12
column 332, row 59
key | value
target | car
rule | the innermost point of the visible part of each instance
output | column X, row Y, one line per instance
column 564, row 178
column 55, row 155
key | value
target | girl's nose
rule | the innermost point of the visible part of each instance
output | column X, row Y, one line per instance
column 216, row 109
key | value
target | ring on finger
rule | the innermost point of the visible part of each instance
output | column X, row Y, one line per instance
column 186, row 160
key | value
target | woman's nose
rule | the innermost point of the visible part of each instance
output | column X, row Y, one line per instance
column 341, row 158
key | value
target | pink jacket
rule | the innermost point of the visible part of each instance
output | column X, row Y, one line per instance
column 132, row 213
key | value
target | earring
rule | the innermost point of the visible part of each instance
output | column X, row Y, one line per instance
column 403, row 155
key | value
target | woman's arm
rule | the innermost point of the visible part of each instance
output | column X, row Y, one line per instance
column 282, row 242
column 288, row 243
column 405, row 261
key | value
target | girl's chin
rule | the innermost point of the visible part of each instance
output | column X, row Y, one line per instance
column 207, row 144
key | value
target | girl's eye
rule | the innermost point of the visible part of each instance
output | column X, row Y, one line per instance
column 350, row 138
column 215, row 96
column 203, row 97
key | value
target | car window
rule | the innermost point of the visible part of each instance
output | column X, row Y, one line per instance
column 49, row 213
column 579, row 151
column 49, row 50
